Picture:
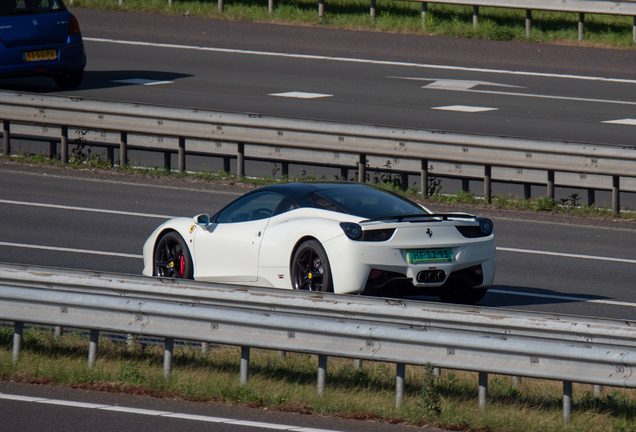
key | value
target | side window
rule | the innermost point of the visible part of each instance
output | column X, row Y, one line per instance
column 256, row 206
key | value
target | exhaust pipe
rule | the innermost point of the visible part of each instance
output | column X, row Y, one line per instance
column 431, row 276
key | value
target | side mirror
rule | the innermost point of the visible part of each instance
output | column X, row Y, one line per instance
column 202, row 219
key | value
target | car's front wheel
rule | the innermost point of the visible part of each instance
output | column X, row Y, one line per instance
column 172, row 257
column 69, row 80
column 310, row 268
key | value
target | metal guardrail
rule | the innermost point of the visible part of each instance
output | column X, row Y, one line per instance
column 286, row 140
column 485, row 340
column 606, row 7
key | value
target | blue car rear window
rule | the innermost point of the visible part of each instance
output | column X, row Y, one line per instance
column 27, row 7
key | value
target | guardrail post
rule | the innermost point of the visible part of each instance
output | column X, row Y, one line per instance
column 437, row 373
column 168, row 351
column 58, row 332
column 182, row 155
column 373, row 6
column 270, row 6
column 581, row 25
column 598, row 391
column 483, row 390
column 344, row 173
column 131, row 340
column 634, row 30
column 52, row 149
column 284, row 169
column 240, row 161
column 93, row 346
column 18, row 328
column 616, row 194
column 321, row 8
column 226, row 164
column 465, row 184
column 362, row 168
column 425, row 9
column 205, row 347
column 399, row 384
column 527, row 191
column 123, row 149
column 357, row 364
column 528, row 22
column 6, row 137
column 64, row 143
column 591, row 197
column 110, row 154
column 322, row 374
column 424, row 179
column 220, row 7
column 487, row 183
column 567, row 401
column 475, row 16
column 167, row 161
column 245, row 365
column 550, row 184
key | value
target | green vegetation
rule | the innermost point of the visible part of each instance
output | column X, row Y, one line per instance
column 400, row 17
column 288, row 383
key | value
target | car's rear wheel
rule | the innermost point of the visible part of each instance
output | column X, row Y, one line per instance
column 172, row 258
column 310, row 268
column 69, row 80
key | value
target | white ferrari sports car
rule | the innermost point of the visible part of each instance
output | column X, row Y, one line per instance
column 341, row 237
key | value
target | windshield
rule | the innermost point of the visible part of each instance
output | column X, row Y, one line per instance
column 366, row 202
column 22, row 7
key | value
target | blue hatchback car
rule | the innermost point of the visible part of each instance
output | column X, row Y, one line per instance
column 41, row 37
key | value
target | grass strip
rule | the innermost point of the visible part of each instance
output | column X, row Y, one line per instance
column 401, row 17
column 287, row 383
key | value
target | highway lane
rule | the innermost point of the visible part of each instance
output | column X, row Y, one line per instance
column 528, row 90
column 71, row 219
column 34, row 408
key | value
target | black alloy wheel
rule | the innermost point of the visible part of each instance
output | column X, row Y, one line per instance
column 310, row 268
column 172, row 258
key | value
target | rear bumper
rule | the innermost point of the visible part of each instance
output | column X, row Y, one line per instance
column 71, row 57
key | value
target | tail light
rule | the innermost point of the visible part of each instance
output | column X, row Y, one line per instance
column 74, row 28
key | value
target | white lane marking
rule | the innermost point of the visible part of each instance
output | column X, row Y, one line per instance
column 355, row 60
column 562, row 297
column 567, row 255
column 450, row 84
column 301, row 95
column 254, row 424
column 464, row 108
column 62, row 249
column 629, row 122
column 63, row 207
column 141, row 81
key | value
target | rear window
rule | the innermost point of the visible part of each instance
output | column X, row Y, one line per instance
column 26, row 7
column 366, row 202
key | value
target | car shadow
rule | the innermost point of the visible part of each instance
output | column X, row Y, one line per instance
column 94, row 80
column 515, row 296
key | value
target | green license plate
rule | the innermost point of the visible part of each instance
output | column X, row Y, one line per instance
column 40, row 55
column 430, row 255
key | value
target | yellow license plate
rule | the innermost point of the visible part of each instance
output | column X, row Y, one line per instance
column 40, row 55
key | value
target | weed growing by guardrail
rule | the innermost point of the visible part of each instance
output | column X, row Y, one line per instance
column 288, row 383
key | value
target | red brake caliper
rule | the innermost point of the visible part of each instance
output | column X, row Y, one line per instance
column 181, row 264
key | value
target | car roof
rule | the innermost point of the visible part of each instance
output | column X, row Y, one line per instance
column 298, row 191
